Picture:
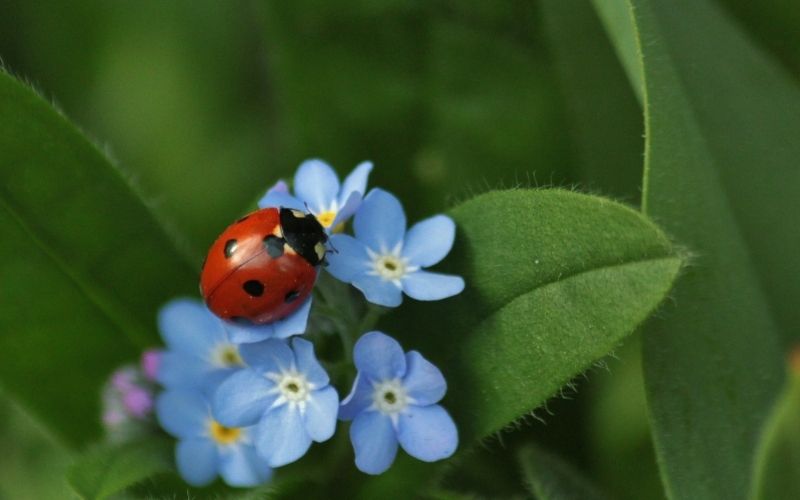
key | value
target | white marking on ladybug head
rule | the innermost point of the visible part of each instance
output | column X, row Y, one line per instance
column 319, row 248
column 298, row 214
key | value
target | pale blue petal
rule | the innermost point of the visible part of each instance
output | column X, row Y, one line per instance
column 379, row 357
column 320, row 415
column 214, row 378
column 317, row 184
column 294, row 324
column 356, row 182
column 380, row 222
column 241, row 466
column 184, row 414
column 188, row 327
column 424, row 382
column 378, row 290
column 374, row 442
column 307, row 363
column 427, row 433
column 197, row 461
column 180, row 371
column 268, row 356
column 247, row 333
column 278, row 196
column 424, row 285
column 281, row 436
column 349, row 258
column 346, row 210
column 429, row 241
column 242, row 399
column 359, row 399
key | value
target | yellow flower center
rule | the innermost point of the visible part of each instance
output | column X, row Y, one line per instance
column 228, row 355
column 224, row 435
column 326, row 218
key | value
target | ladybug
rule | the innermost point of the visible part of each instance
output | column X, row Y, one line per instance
column 263, row 267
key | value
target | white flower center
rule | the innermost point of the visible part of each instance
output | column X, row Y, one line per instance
column 226, row 356
column 293, row 387
column 389, row 265
column 390, row 397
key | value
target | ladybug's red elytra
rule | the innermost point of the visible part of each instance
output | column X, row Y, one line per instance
column 263, row 266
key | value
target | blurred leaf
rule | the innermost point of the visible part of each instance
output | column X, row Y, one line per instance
column 777, row 465
column 85, row 265
column 616, row 17
column 621, row 445
column 774, row 24
column 597, row 95
column 555, row 280
column 431, row 92
column 550, row 478
column 721, row 174
column 109, row 469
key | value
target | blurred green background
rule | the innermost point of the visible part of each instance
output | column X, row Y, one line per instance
column 205, row 104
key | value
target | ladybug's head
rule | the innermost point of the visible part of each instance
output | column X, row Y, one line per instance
column 303, row 232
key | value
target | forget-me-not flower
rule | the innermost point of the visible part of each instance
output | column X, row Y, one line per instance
column 202, row 349
column 207, row 448
column 200, row 352
column 384, row 261
column 393, row 401
column 286, row 392
column 293, row 324
column 317, row 187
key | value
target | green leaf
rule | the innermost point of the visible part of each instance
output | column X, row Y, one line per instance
column 555, row 280
column 777, row 465
column 84, row 265
column 617, row 18
column 109, row 469
column 609, row 158
column 721, row 175
column 550, row 478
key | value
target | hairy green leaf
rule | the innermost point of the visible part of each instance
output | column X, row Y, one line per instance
column 721, row 175
column 84, row 265
column 555, row 280
column 109, row 469
column 777, row 466
column 550, row 478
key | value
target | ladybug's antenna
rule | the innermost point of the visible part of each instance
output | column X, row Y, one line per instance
column 332, row 248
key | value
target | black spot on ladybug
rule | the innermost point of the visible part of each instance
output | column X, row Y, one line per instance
column 243, row 219
column 291, row 296
column 274, row 245
column 239, row 320
column 230, row 247
column 253, row 288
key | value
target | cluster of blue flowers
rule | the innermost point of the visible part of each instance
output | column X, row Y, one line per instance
column 244, row 399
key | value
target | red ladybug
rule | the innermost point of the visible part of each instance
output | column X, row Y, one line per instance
column 263, row 267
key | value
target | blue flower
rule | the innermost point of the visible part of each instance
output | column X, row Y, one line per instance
column 316, row 186
column 294, row 324
column 202, row 350
column 394, row 400
column 286, row 392
column 384, row 261
column 199, row 353
column 205, row 447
